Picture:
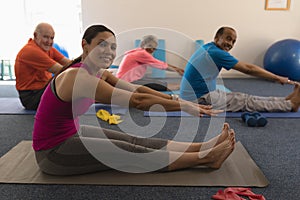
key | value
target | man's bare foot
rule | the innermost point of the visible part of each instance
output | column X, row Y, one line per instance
column 221, row 152
column 293, row 93
column 295, row 99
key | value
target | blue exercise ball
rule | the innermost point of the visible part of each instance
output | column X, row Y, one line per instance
column 283, row 58
column 61, row 49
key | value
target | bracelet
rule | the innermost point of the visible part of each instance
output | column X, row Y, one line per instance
column 174, row 97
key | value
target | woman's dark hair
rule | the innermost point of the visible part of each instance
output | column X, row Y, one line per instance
column 92, row 32
column 89, row 34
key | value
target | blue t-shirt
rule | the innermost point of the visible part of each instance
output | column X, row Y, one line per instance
column 202, row 70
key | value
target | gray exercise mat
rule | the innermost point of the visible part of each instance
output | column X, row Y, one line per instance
column 19, row 166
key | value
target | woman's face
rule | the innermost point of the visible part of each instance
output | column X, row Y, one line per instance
column 102, row 50
column 151, row 47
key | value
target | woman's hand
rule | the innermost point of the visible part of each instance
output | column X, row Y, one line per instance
column 208, row 110
column 179, row 71
column 198, row 109
column 176, row 69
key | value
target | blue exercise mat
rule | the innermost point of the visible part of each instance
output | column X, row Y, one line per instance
column 225, row 114
column 13, row 106
column 113, row 109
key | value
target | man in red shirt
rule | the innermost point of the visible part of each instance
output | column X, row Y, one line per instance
column 35, row 64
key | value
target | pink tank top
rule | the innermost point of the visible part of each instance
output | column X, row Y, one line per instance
column 56, row 120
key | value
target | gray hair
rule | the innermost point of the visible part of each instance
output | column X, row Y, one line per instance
column 149, row 41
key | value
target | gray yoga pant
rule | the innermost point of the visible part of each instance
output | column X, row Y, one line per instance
column 83, row 152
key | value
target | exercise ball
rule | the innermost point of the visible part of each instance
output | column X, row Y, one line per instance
column 61, row 49
column 283, row 58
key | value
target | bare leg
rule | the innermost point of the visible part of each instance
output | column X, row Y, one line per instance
column 212, row 158
column 196, row 146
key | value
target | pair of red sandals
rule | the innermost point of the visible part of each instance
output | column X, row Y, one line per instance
column 233, row 193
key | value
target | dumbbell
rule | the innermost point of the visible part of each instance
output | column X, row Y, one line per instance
column 254, row 119
column 249, row 119
column 261, row 120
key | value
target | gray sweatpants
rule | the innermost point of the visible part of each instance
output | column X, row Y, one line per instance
column 237, row 101
column 96, row 149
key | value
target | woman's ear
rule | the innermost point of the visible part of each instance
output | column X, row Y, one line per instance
column 84, row 46
column 83, row 43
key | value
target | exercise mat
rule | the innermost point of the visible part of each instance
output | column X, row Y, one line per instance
column 13, row 106
column 19, row 166
column 225, row 114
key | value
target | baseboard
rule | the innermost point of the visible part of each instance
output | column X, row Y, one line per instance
column 233, row 74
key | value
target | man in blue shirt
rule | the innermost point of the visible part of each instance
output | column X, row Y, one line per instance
column 200, row 79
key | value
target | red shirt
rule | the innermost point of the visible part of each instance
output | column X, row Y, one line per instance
column 32, row 64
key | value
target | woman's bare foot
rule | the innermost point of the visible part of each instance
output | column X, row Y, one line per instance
column 221, row 152
column 218, row 139
column 223, row 136
column 200, row 146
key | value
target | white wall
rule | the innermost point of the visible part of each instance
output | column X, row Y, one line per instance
column 257, row 28
column 18, row 20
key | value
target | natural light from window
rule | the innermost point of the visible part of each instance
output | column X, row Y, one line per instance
column 18, row 19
